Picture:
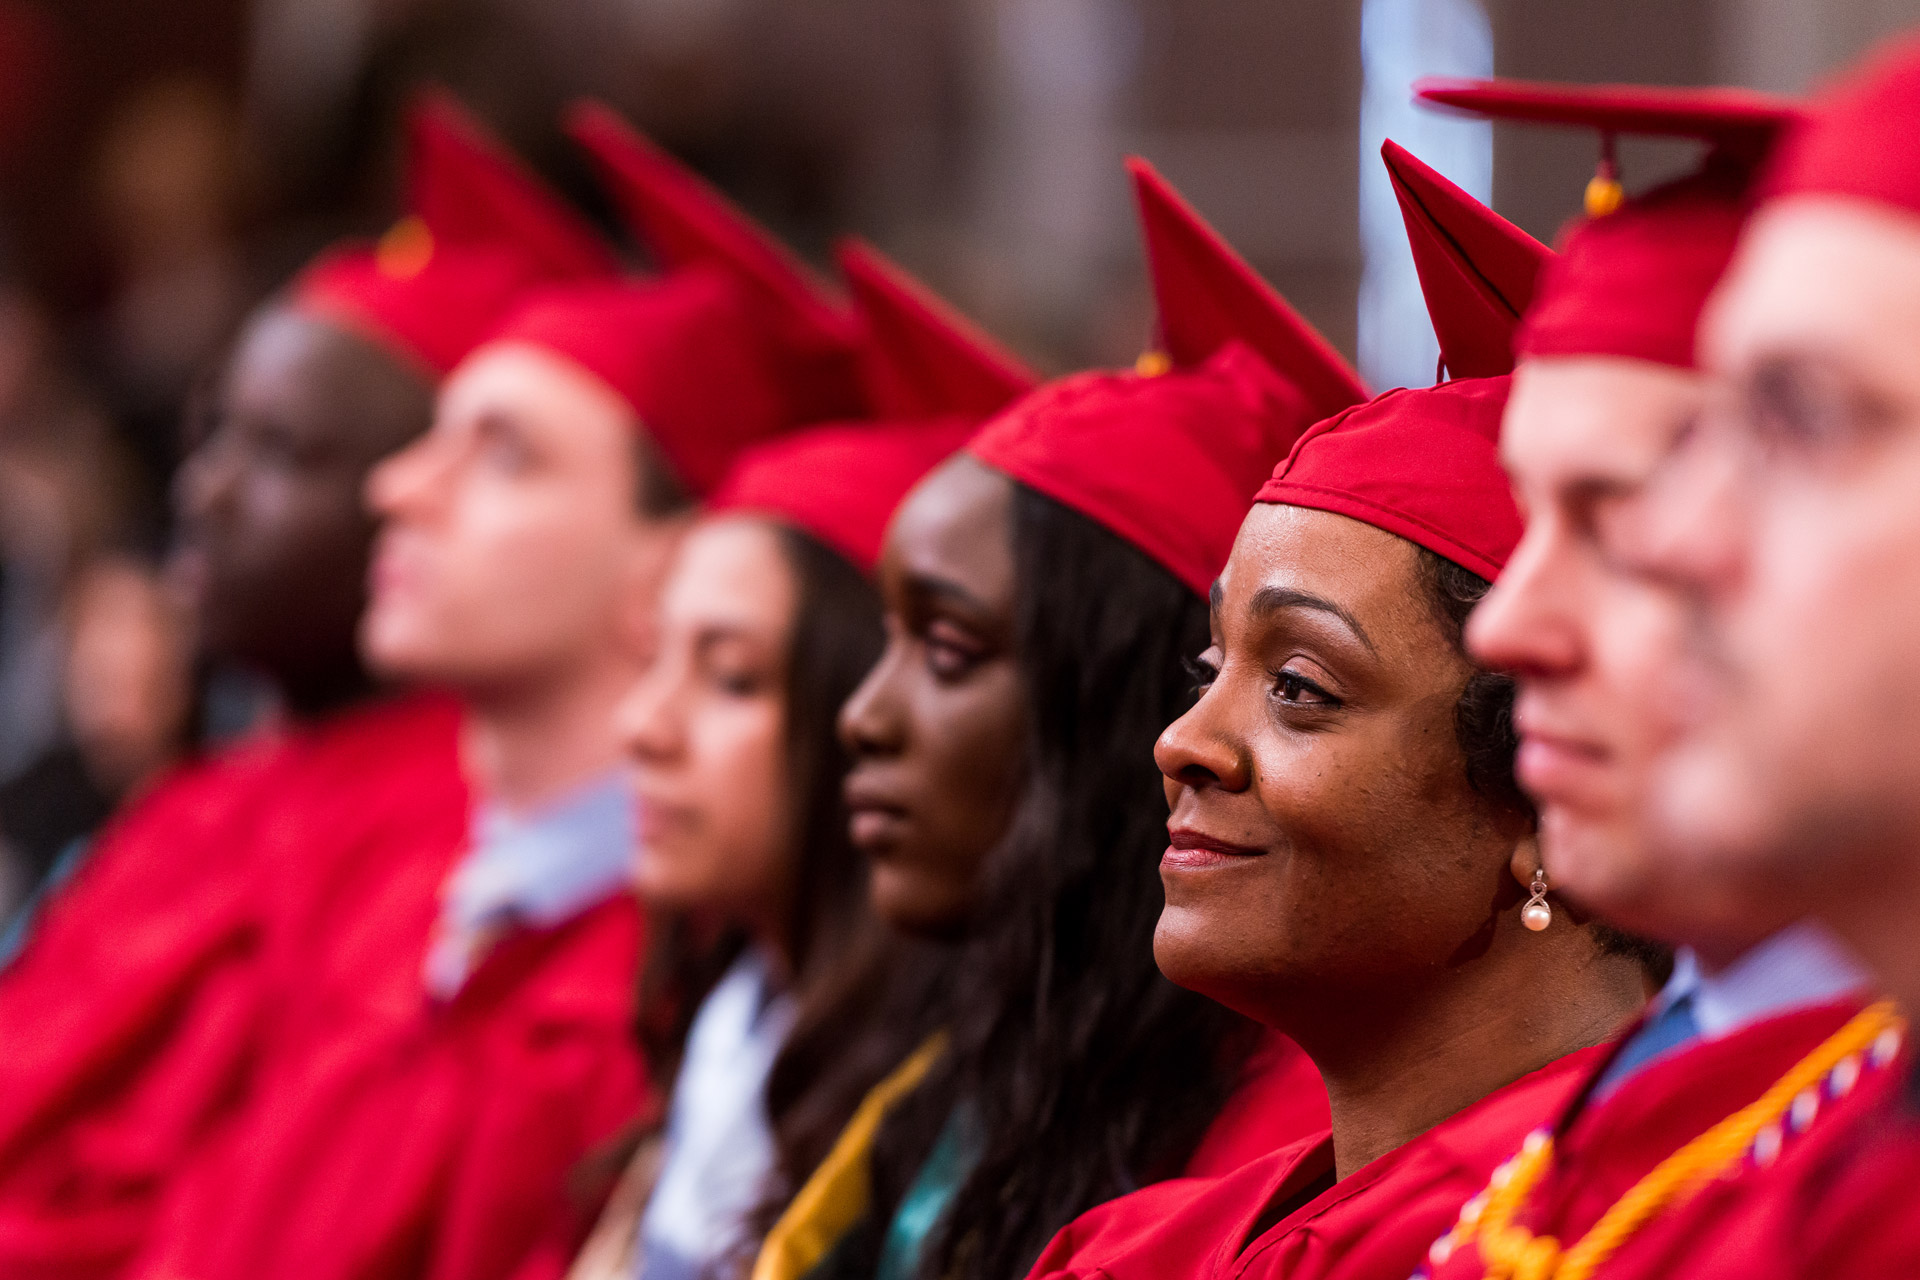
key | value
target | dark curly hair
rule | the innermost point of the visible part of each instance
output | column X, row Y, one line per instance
column 1483, row 718
column 1483, row 724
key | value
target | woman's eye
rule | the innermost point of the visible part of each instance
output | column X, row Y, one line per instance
column 950, row 653
column 1202, row 672
column 1301, row 691
column 741, row 684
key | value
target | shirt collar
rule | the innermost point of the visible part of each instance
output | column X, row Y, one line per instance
column 1800, row 966
column 532, row 870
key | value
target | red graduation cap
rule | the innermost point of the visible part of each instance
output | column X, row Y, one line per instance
column 709, row 355
column 922, row 358
column 480, row 231
column 1858, row 140
column 1633, row 276
column 1168, row 456
column 687, row 223
column 932, row 376
column 1467, row 252
column 1424, row 463
column 1208, row 296
column 841, row 482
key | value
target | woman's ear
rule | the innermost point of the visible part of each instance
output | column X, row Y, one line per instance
column 1526, row 859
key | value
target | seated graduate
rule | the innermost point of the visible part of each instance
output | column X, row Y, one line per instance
column 467, row 1036
column 1350, row 858
column 1041, row 590
column 768, row 620
column 1788, row 520
column 136, row 1015
column 1661, row 1165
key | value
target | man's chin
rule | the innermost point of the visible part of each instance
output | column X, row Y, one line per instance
column 1603, row 868
column 1703, row 812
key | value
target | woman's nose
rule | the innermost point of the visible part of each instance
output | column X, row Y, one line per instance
column 1199, row 749
column 645, row 721
column 870, row 723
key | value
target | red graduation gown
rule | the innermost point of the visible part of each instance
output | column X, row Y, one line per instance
column 396, row 1136
column 1728, row 1228
column 1280, row 1101
column 134, row 1017
column 1851, row 1209
column 1375, row 1224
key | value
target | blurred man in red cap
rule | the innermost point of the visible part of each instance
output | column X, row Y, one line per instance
column 1607, row 382
column 1789, row 519
column 470, row 1035
column 147, row 990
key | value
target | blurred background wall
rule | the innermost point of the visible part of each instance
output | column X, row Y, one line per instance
column 163, row 166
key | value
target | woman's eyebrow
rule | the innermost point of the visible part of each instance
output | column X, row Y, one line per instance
column 1271, row 600
column 711, row 634
column 948, row 590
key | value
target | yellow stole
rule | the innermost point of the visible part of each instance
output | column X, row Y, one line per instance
column 836, row 1196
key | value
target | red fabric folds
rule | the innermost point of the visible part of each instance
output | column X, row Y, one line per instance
column 1169, row 459
column 389, row 1135
column 1280, row 1101
column 1375, row 1224
column 1423, row 464
column 931, row 375
column 1745, row 1224
column 1858, row 139
column 1632, row 282
column 480, row 230
column 174, row 930
column 1477, row 270
column 734, row 343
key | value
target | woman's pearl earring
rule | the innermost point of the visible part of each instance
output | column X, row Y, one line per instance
column 1537, row 915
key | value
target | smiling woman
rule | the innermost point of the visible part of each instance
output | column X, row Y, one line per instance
column 1351, row 862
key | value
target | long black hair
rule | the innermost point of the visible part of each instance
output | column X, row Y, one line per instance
column 1088, row 1073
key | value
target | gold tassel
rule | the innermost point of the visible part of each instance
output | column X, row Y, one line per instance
column 405, row 250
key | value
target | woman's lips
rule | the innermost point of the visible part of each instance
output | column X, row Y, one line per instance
column 1190, row 850
column 656, row 818
column 876, row 822
column 876, row 830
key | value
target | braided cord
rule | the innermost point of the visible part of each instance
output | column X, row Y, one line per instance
column 1511, row 1252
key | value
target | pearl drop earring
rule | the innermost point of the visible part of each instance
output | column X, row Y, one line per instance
column 1537, row 915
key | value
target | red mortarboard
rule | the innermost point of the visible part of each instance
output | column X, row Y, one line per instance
column 1859, row 137
column 1208, row 296
column 480, row 231
column 922, row 358
column 686, row 223
column 709, row 355
column 1424, row 463
column 1466, row 253
column 1715, row 114
column 840, row 483
column 932, row 376
column 1170, row 461
column 1633, row 276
